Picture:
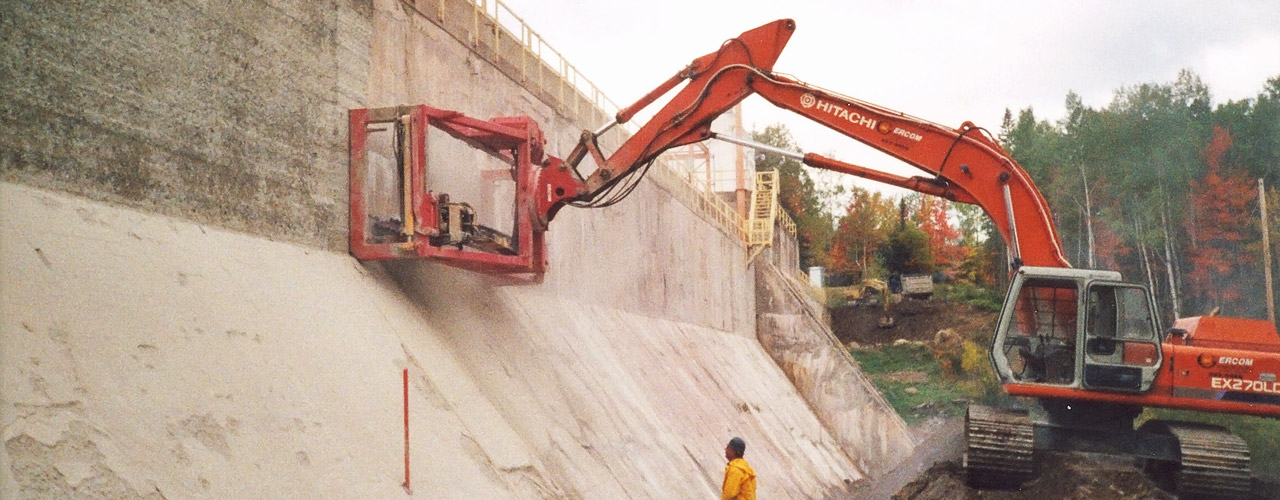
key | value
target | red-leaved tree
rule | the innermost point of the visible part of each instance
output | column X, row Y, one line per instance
column 1221, row 221
column 944, row 238
column 863, row 229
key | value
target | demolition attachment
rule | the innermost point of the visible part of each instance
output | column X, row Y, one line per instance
column 402, row 208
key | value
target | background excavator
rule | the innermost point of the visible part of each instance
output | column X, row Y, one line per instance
column 1086, row 346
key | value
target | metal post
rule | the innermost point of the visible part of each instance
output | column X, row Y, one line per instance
column 1015, row 253
column 1266, row 251
column 406, row 175
column 740, row 165
column 762, row 147
column 407, row 488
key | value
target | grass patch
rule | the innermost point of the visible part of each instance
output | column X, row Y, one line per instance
column 894, row 358
column 917, row 385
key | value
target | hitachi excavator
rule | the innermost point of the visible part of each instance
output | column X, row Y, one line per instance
column 1087, row 347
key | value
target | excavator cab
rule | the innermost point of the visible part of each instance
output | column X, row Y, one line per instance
column 1078, row 329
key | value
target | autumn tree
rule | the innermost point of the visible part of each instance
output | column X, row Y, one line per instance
column 797, row 195
column 1254, row 125
column 1224, row 202
column 982, row 249
column 861, row 232
column 933, row 218
column 907, row 251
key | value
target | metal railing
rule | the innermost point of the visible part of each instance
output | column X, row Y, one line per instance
column 495, row 32
column 536, row 55
column 788, row 224
column 710, row 204
column 764, row 209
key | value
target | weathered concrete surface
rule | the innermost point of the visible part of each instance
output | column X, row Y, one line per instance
column 145, row 356
column 828, row 378
column 230, row 113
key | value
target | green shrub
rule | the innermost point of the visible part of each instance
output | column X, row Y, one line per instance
column 986, row 299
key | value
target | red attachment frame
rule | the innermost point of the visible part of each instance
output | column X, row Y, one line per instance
column 517, row 141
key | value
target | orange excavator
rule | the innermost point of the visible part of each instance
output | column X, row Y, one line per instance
column 1087, row 347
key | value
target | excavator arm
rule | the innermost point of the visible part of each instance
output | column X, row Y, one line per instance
column 964, row 164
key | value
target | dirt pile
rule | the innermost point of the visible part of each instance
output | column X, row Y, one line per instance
column 1062, row 477
column 917, row 320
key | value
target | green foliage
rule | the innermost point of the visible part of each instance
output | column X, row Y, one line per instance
column 835, row 296
column 896, row 358
column 797, row 195
column 914, row 400
column 981, row 297
column 908, row 251
column 1131, row 186
column 861, row 231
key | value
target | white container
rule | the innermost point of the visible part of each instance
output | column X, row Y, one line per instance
column 815, row 276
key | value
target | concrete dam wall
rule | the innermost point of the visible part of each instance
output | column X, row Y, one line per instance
column 179, row 317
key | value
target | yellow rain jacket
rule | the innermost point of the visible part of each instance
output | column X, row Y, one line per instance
column 739, row 481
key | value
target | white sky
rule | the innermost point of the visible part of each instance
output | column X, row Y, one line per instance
column 942, row 61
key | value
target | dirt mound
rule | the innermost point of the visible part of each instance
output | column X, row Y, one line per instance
column 1062, row 477
column 916, row 320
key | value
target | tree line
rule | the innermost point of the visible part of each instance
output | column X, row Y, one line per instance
column 1159, row 184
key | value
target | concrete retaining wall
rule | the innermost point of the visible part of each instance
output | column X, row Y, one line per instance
column 149, row 357
column 227, row 113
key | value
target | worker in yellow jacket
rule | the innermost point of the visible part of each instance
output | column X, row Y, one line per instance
column 739, row 479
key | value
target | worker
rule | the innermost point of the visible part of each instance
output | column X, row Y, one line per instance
column 739, row 479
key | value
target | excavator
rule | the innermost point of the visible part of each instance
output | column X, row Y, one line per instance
column 1087, row 348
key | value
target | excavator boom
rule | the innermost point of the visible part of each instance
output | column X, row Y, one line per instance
column 962, row 164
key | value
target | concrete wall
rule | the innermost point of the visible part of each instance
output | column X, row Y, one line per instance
column 219, row 112
column 162, row 345
column 149, row 357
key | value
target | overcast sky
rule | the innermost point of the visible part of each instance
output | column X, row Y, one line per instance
column 942, row 61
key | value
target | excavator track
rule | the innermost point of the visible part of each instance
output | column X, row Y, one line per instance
column 999, row 447
column 1215, row 462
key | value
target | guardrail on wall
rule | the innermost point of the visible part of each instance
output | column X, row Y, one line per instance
column 497, row 34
